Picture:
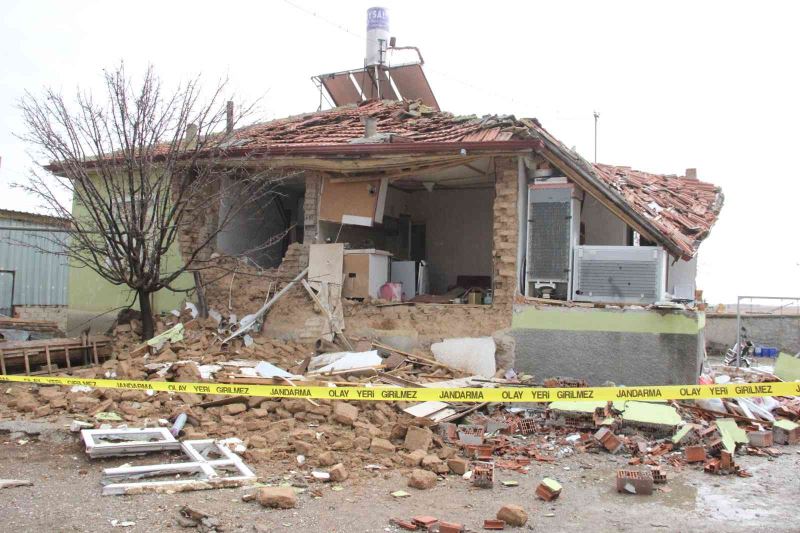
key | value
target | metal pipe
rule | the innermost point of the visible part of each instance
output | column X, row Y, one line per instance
column 264, row 308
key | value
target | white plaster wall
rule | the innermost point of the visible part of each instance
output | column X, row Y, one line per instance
column 458, row 232
column 681, row 277
column 602, row 227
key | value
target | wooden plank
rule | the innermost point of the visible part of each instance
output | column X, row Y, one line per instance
column 417, row 358
column 66, row 355
column 94, row 351
column 27, row 363
column 49, row 363
column 325, row 264
column 327, row 313
column 2, row 362
column 357, row 199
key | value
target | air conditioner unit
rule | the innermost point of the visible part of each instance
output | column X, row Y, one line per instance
column 553, row 227
column 619, row 274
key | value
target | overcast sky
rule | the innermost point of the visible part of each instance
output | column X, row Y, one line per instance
column 683, row 84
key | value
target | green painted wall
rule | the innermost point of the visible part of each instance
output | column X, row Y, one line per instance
column 91, row 293
column 624, row 321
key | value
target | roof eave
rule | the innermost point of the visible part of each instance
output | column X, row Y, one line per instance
column 365, row 149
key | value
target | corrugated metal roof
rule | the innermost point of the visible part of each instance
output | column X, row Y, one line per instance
column 40, row 277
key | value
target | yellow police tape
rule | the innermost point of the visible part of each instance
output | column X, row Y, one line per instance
column 422, row 394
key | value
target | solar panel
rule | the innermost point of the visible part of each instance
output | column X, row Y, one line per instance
column 341, row 88
column 410, row 80
column 365, row 80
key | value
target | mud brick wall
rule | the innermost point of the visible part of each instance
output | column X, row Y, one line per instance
column 53, row 313
column 404, row 326
column 245, row 286
column 505, row 234
column 294, row 317
column 200, row 221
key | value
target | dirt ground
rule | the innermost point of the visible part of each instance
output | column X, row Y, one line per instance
column 66, row 497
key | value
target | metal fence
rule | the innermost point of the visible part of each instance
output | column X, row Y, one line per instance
column 40, row 273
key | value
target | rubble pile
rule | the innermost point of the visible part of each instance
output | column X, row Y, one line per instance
column 303, row 441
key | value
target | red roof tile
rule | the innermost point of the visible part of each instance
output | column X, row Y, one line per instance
column 410, row 121
column 681, row 208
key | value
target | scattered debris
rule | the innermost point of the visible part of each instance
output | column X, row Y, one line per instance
column 494, row 524
column 12, row 483
column 191, row 517
column 277, row 497
column 634, row 481
column 513, row 515
column 127, row 441
column 422, row 479
column 549, row 489
column 208, row 468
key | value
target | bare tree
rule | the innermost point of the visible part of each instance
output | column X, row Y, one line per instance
column 143, row 166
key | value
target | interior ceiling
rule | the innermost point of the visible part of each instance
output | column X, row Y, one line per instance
column 476, row 174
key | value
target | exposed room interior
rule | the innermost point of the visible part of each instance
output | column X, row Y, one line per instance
column 440, row 219
column 263, row 229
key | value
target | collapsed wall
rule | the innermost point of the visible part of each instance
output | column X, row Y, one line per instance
column 237, row 286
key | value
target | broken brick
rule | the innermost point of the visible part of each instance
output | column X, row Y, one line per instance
column 404, row 524
column 277, row 497
column 548, row 489
column 493, row 524
column 513, row 515
column 610, row 442
column 234, row 408
column 450, row 527
column 694, row 454
column 760, row 439
column 413, row 458
column 344, row 413
column 634, row 481
column 381, row 446
column 425, row 521
column 457, row 465
column 338, row 472
column 422, row 479
column 659, row 475
column 789, row 434
column 483, row 474
column 418, row 438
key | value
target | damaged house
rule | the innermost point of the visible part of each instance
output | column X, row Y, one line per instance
column 496, row 214
column 465, row 226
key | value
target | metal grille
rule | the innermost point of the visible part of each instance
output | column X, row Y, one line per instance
column 612, row 279
column 548, row 241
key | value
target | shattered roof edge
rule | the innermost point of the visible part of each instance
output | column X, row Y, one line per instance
column 573, row 160
column 363, row 149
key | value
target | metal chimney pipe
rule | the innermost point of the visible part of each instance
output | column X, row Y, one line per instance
column 191, row 135
column 229, row 117
column 370, row 126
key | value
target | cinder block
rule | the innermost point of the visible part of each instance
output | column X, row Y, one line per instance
column 760, row 439
column 634, row 481
column 694, row 454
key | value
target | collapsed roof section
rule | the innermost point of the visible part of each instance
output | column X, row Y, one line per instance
column 395, row 121
column 683, row 208
column 676, row 212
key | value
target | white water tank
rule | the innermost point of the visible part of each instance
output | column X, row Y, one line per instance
column 377, row 35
